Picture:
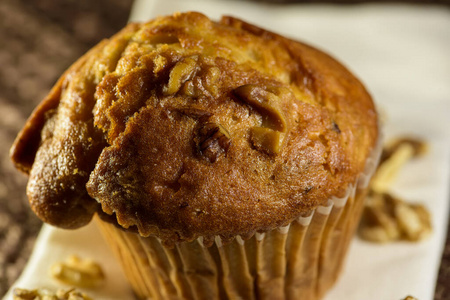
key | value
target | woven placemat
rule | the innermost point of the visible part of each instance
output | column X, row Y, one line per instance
column 39, row 39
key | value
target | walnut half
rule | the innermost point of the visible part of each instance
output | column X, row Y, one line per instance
column 78, row 272
column 180, row 73
column 212, row 141
column 395, row 155
column 387, row 219
column 269, row 136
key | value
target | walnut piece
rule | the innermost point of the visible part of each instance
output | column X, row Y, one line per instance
column 212, row 140
column 378, row 224
column 266, row 103
column 44, row 294
column 413, row 220
column 269, row 137
column 419, row 147
column 395, row 155
column 78, row 272
column 388, row 170
column 23, row 294
column 387, row 219
column 266, row 139
column 180, row 73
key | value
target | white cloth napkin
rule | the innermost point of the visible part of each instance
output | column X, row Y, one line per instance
column 402, row 54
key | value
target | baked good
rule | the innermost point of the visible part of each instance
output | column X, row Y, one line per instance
column 223, row 160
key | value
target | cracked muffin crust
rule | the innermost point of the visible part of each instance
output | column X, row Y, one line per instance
column 184, row 127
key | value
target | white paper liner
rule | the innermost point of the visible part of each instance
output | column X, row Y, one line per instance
column 305, row 221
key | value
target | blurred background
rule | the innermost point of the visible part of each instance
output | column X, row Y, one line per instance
column 39, row 39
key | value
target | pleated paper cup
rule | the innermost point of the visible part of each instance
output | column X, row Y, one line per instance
column 299, row 261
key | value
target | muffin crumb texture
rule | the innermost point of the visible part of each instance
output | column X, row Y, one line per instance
column 184, row 127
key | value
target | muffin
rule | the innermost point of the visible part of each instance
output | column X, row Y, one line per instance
column 220, row 160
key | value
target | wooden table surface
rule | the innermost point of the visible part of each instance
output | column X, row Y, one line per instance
column 39, row 39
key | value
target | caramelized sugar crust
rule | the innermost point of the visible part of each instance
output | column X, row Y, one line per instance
column 183, row 127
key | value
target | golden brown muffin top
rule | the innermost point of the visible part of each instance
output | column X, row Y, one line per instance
column 183, row 127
